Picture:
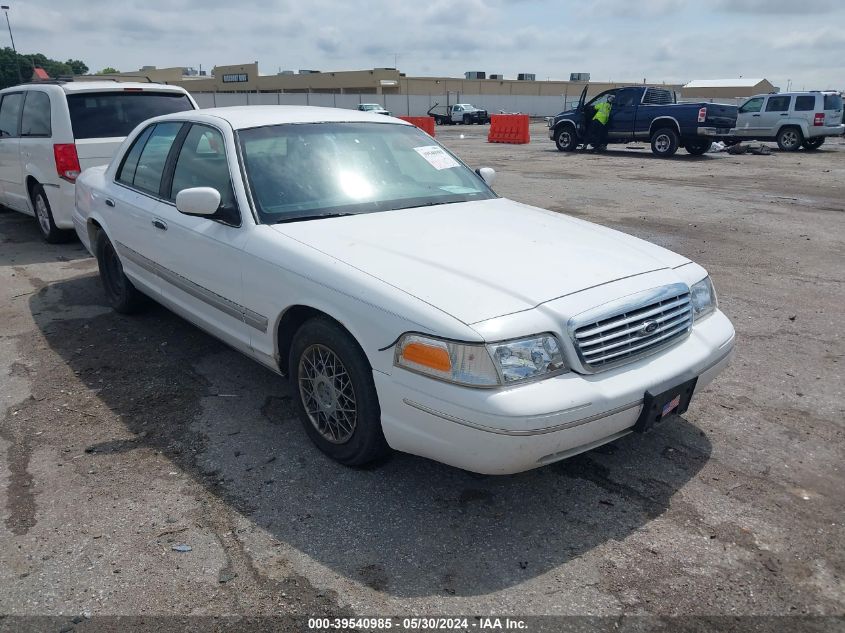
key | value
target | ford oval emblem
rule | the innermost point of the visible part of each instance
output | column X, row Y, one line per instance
column 647, row 328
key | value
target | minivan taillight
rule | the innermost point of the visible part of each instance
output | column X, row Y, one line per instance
column 67, row 161
column 702, row 115
column 818, row 120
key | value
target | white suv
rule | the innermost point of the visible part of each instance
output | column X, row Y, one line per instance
column 793, row 119
column 51, row 131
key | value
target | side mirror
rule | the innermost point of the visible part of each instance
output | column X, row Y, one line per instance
column 488, row 174
column 204, row 201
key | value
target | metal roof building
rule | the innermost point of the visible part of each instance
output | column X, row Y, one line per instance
column 727, row 88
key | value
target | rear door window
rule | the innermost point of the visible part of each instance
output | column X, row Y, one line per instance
column 778, row 104
column 115, row 114
column 805, row 103
column 151, row 160
column 832, row 102
column 10, row 113
column 36, row 114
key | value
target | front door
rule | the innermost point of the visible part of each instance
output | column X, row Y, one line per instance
column 202, row 257
column 748, row 118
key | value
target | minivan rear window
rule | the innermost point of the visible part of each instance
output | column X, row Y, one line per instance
column 111, row 114
column 832, row 102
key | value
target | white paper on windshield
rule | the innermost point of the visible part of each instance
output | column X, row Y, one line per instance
column 436, row 157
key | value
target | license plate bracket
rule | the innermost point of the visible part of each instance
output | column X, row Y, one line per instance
column 659, row 406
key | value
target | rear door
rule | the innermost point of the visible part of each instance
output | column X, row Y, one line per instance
column 748, row 119
column 774, row 114
column 136, row 203
column 623, row 113
column 101, row 120
column 11, row 172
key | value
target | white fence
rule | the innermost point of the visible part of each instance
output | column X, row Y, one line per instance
column 399, row 105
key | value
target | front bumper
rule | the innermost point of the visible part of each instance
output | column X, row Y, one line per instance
column 509, row 430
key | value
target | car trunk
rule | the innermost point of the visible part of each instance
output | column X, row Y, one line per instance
column 96, row 151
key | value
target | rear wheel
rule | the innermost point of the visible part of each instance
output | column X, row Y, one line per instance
column 664, row 142
column 565, row 139
column 44, row 214
column 335, row 395
column 790, row 139
column 697, row 147
column 121, row 294
column 814, row 143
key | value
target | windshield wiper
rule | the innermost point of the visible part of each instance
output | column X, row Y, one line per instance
column 319, row 216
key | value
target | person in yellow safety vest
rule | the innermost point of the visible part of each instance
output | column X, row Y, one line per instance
column 599, row 124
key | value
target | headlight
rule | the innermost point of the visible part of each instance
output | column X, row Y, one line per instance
column 703, row 297
column 480, row 365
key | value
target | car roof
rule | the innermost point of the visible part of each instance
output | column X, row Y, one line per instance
column 117, row 86
column 800, row 93
column 243, row 117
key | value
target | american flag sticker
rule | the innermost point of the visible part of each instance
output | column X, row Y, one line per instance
column 671, row 406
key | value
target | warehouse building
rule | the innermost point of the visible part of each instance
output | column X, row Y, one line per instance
column 709, row 89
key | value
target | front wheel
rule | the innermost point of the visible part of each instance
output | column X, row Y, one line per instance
column 335, row 395
column 44, row 214
column 566, row 139
column 467, row 120
column 789, row 139
column 814, row 143
column 664, row 142
column 697, row 148
column 122, row 295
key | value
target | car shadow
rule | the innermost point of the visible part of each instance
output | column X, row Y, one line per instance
column 644, row 154
column 407, row 527
column 21, row 243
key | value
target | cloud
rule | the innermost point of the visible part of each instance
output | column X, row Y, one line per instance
column 778, row 7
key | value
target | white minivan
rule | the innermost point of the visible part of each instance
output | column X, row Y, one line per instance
column 793, row 119
column 51, row 131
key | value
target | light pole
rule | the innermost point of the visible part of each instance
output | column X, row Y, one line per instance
column 5, row 8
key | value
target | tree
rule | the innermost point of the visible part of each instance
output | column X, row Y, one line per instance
column 108, row 70
column 78, row 67
column 15, row 67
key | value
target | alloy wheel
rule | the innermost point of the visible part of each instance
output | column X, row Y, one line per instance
column 42, row 213
column 327, row 394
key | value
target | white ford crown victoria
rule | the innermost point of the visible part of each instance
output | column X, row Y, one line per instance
column 410, row 306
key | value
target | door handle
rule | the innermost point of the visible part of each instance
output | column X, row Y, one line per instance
column 755, row 115
column 160, row 224
column 784, row 114
column 109, row 202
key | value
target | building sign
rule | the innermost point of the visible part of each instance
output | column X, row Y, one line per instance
column 235, row 78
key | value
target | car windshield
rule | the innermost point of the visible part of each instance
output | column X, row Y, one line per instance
column 111, row 114
column 310, row 170
column 370, row 106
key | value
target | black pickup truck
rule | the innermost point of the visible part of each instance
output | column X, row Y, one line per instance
column 641, row 113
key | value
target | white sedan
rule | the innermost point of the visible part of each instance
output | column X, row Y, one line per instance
column 410, row 306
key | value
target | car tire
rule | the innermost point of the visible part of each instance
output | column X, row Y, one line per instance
column 790, row 139
column 664, row 142
column 467, row 120
column 566, row 139
column 44, row 215
column 122, row 295
column 813, row 143
column 697, row 147
column 334, row 394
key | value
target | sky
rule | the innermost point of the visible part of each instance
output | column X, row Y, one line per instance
column 797, row 43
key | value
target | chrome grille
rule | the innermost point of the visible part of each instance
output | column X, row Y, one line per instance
column 640, row 328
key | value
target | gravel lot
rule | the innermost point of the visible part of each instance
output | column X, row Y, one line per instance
column 126, row 436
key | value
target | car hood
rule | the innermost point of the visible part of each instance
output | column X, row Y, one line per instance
column 479, row 260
